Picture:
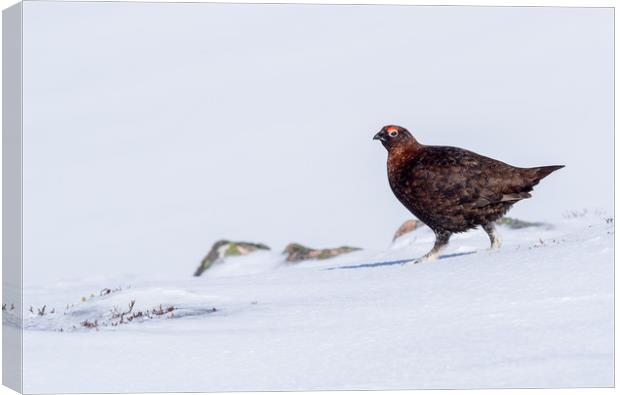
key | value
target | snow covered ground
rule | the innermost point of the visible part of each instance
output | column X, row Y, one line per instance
column 537, row 313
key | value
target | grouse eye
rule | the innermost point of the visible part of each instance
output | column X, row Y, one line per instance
column 393, row 133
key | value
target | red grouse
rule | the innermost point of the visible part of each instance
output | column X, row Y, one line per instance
column 451, row 189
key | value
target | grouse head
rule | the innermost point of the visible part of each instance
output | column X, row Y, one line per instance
column 392, row 136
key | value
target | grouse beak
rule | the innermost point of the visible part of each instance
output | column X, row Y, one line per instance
column 379, row 136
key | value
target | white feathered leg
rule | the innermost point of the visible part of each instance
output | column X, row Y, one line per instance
column 493, row 235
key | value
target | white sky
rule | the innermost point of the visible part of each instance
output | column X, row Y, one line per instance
column 152, row 130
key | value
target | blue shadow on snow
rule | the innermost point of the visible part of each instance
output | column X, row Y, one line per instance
column 398, row 262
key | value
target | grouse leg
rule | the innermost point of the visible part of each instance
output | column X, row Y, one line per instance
column 493, row 236
column 441, row 241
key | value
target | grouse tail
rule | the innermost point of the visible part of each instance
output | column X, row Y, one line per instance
column 535, row 174
column 544, row 171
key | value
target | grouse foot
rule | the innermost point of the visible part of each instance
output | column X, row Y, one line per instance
column 429, row 257
column 441, row 241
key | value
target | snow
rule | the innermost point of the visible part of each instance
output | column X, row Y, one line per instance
column 536, row 313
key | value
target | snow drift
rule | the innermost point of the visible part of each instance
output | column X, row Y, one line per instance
column 536, row 313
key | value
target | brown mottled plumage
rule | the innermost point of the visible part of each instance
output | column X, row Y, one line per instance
column 451, row 189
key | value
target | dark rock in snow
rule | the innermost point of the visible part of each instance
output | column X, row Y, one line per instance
column 297, row 252
column 514, row 223
column 226, row 248
column 407, row 226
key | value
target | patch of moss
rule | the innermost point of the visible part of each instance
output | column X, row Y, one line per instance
column 204, row 265
column 232, row 250
column 297, row 248
column 324, row 254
